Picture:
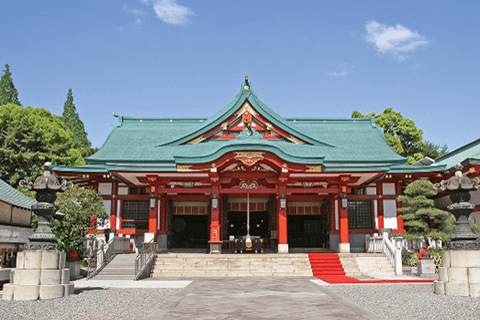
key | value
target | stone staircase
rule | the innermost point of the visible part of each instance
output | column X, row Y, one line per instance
column 122, row 267
column 231, row 265
column 366, row 264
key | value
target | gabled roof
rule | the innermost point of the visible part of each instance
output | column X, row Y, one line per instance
column 246, row 94
column 469, row 151
column 163, row 142
column 13, row 197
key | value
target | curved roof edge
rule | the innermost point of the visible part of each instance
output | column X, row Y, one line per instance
column 254, row 146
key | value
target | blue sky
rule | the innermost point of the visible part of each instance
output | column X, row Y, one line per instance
column 178, row 58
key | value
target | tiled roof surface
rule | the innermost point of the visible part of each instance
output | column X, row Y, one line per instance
column 146, row 140
column 469, row 151
column 14, row 197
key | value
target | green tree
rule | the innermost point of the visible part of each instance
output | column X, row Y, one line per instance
column 29, row 137
column 73, row 122
column 403, row 136
column 432, row 150
column 82, row 208
column 420, row 216
column 8, row 92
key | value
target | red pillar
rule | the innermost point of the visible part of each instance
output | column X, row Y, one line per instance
column 282, row 222
column 400, row 226
column 215, row 241
column 153, row 212
column 381, row 221
column 113, row 206
column 344, row 245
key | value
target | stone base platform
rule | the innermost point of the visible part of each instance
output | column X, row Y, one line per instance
column 460, row 274
column 39, row 275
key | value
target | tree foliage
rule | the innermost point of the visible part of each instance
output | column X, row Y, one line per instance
column 403, row 136
column 81, row 207
column 73, row 122
column 432, row 150
column 29, row 137
column 420, row 216
column 8, row 92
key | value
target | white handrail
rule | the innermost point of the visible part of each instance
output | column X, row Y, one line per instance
column 373, row 243
column 394, row 254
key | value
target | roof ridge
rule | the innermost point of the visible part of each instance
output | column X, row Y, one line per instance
column 246, row 94
column 459, row 150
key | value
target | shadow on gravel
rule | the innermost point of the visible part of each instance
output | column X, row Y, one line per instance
column 81, row 290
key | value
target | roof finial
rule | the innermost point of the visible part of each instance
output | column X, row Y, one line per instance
column 247, row 85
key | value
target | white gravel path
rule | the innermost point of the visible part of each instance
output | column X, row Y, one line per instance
column 89, row 303
column 408, row 301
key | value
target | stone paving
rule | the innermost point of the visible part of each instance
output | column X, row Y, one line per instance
column 257, row 298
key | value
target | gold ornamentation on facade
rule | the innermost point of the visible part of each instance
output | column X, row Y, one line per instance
column 295, row 140
column 314, row 169
column 249, row 158
column 184, row 168
column 246, row 107
column 196, row 140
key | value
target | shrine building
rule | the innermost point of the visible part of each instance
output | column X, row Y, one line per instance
column 295, row 183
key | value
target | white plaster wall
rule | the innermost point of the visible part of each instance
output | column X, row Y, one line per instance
column 105, row 188
column 388, row 188
column 107, row 204
column 390, row 214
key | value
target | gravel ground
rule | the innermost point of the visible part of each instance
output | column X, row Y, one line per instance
column 392, row 301
column 408, row 301
column 90, row 303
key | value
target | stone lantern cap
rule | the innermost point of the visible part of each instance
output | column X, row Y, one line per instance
column 46, row 185
column 458, row 182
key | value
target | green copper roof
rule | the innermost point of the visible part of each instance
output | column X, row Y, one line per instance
column 469, row 151
column 163, row 140
column 14, row 197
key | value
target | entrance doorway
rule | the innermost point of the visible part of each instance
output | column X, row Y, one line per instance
column 188, row 225
column 237, row 224
column 189, row 231
column 305, row 231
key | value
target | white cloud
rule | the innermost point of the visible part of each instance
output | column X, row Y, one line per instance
column 342, row 70
column 398, row 40
column 170, row 12
column 137, row 14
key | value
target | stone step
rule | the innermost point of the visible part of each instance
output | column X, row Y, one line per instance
column 235, row 265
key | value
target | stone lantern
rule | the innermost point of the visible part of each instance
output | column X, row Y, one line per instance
column 460, row 274
column 40, row 272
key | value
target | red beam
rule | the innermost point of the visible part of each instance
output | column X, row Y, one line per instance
column 312, row 190
column 185, row 190
column 245, row 191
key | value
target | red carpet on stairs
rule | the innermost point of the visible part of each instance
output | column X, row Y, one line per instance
column 327, row 267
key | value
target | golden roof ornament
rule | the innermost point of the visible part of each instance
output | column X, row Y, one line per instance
column 247, row 85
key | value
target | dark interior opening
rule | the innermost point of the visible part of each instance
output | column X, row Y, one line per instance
column 305, row 231
column 237, row 224
column 189, row 231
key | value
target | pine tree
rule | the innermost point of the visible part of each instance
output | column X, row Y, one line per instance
column 420, row 216
column 8, row 92
column 71, row 118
